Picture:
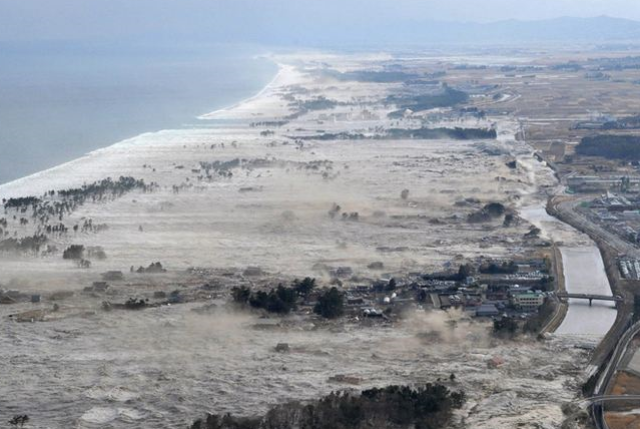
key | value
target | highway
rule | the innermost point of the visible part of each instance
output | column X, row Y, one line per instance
column 611, row 398
column 614, row 346
column 611, row 247
column 597, row 407
column 567, row 209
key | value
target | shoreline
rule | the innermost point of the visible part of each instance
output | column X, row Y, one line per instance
column 271, row 83
column 204, row 117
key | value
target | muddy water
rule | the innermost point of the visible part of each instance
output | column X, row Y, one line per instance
column 164, row 367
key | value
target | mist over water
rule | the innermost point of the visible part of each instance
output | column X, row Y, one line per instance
column 60, row 101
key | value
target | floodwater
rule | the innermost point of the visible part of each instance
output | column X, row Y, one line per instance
column 164, row 367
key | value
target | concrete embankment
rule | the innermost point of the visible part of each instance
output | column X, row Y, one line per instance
column 580, row 269
column 584, row 273
column 562, row 209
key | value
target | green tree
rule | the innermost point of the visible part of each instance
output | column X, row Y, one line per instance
column 465, row 271
column 75, row 251
column 330, row 304
column 241, row 295
column 259, row 299
column 282, row 300
column 505, row 326
column 303, row 288
column 391, row 286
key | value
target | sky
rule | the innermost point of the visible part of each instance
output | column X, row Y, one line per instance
column 229, row 20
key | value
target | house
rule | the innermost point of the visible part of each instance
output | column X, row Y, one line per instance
column 517, row 289
column 445, row 302
column 487, row 310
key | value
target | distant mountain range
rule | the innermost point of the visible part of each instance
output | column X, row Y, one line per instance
column 601, row 29
column 560, row 29
column 381, row 32
column 353, row 31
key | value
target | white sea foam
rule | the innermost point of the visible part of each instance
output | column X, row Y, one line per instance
column 100, row 415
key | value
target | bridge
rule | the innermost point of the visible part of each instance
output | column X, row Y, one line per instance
column 591, row 297
column 609, row 398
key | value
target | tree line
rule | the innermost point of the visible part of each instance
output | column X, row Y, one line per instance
column 49, row 210
column 285, row 299
column 610, row 146
column 398, row 407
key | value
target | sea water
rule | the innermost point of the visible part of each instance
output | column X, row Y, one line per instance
column 59, row 101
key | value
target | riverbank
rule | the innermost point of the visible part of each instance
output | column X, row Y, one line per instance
column 582, row 271
column 562, row 208
column 585, row 273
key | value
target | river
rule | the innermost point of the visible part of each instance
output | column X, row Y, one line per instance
column 584, row 272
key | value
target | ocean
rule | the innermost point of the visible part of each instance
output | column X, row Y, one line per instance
column 59, row 101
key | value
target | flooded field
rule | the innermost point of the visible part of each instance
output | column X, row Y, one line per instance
column 237, row 195
column 164, row 367
column 240, row 196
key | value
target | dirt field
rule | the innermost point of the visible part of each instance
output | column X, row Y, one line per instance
column 623, row 421
column 626, row 384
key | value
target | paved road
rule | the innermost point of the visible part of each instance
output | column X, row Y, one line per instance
column 618, row 337
column 568, row 209
column 597, row 408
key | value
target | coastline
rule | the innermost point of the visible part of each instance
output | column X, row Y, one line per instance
column 67, row 119
column 7, row 189
column 271, row 83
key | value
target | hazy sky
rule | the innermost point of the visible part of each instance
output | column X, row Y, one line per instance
column 78, row 19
